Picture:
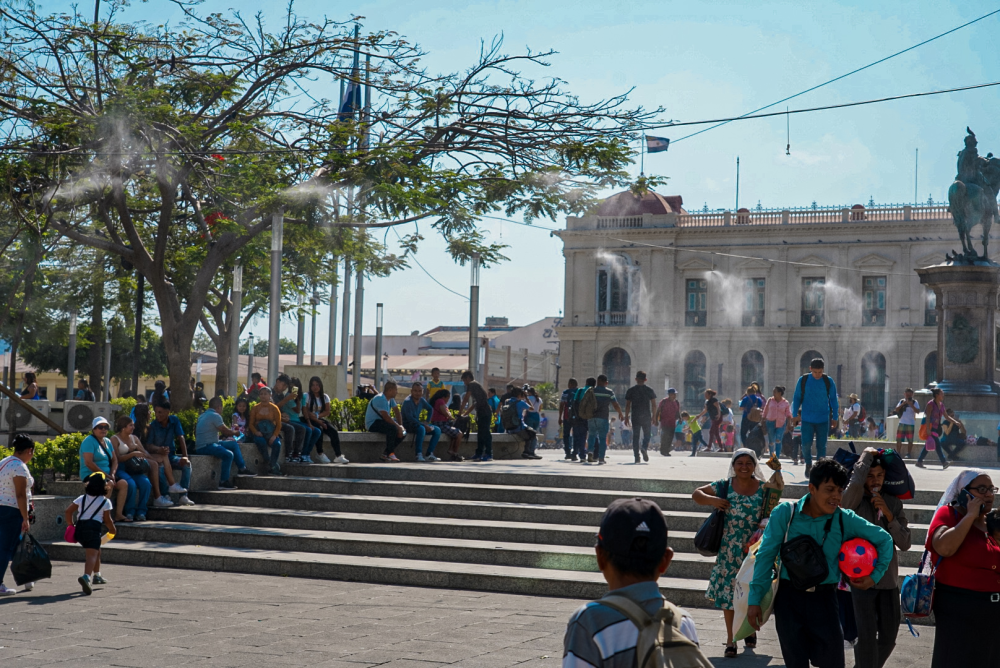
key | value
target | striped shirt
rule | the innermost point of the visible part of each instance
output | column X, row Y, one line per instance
column 600, row 637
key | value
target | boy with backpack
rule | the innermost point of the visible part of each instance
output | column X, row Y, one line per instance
column 512, row 417
column 581, row 425
column 632, row 554
column 815, row 406
column 595, row 406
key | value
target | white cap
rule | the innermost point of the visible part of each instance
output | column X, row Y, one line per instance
column 99, row 420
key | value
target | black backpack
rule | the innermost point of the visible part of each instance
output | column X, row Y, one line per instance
column 829, row 386
column 508, row 415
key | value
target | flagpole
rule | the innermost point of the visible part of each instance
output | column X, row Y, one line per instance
column 642, row 156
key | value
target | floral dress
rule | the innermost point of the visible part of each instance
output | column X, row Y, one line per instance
column 742, row 519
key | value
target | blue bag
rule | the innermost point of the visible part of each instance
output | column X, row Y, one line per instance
column 916, row 596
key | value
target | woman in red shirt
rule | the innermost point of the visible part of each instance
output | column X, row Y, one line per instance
column 967, row 594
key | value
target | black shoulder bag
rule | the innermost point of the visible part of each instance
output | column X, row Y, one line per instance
column 708, row 540
column 803, row 557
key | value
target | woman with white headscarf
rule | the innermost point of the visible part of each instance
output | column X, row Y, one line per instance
column 742, row 502
column 967, row 593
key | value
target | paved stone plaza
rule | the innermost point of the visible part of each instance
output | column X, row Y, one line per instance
column 152, row 617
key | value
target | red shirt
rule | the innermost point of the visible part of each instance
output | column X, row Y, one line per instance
column 670, row 410
column 976, row 565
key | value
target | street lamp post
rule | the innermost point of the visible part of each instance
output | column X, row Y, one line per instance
column 249, row 361
column 312, row 343
column 345, row 328
column 359, row 301
column 277, row 233
column 140, row 292
column 234, row 331
column 378, row 347
column 107, row 365
column 474, row 316
column 300, row 343
column 331, row 344
column 71, row 362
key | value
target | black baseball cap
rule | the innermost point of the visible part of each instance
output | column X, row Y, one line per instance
column 628, row 519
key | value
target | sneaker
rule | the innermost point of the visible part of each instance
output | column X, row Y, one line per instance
column 477, row 458
column 276, row 471
column 29, row 586
column 920, row 465
column 162, row 502
column 305, row 459
column 809, row 470
column 185, row 501
column 591, row 458
column 321, row 458
column 601, row 461
column 85, row 583
column 945, row 465
column 7, row 591
column 645, row 456
column 341, row 459
column 420, row 458
column 432, row 458
column 99, row 580
column 572, row 458
column 486, row 459
column 140, row 518
column 176, row 489
column 294, row 459
column 246, row 472
column 228, row 484
column 569, row 457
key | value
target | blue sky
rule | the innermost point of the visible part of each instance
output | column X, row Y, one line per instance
column 703, row 59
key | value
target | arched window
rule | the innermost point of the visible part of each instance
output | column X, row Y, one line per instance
column 695, row 373
column 617, row 291
column 873, row 384
column 807, row 357
column 752, row 367
column 617, row 367
column 930, row 368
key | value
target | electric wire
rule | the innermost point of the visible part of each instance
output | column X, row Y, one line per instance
column 843, row 76
column 429, row 275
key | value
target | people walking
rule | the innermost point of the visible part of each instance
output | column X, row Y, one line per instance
column 876, row 610
column 936, row 415
column 597, row 426
column 15, row 504
column 640, row 404
column 565, row 420
column 777, row 415
column 667, row 415
column 740, row 495
column 806, row 612
column 815, row 406
column 713, row 411
column 751, row 402
column 967, row 591
column 906, row 409
column 854, row 417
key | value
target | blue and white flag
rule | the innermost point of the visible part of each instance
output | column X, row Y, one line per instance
column 656, row 144
column 351, row 102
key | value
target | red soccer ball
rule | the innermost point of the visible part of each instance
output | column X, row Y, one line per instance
column 857, row 558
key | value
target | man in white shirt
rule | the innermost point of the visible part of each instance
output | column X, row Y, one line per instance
column 906, row 409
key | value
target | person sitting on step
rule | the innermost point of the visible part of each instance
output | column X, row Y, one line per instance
column 413, row 408
column 264, row 426
column 522, row 432
column 206, row 442
column 441, row 418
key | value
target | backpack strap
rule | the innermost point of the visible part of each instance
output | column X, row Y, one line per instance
column 629, row 608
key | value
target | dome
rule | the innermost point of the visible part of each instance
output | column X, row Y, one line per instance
column 627, row 204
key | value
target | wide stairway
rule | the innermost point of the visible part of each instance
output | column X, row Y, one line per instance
column 454, row 526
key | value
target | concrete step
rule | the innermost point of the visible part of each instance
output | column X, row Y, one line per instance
column 522, row 555
column 379, row 570
column 443, row 508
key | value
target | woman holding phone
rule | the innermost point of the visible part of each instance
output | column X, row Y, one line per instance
column 967, row 593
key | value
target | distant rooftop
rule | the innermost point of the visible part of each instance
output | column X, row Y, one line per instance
column 627, row 204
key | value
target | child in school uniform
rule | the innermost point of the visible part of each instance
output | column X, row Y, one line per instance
column 94, row 510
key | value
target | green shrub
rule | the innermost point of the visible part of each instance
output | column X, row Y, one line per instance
column 60, row 454
column 125, row 406
column 348, row 415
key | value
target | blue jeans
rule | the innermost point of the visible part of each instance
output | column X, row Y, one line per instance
column 10, row 535
column 774, row 436
column 821, row 430
column 261, row 444
column 139, row 488
column 175, row 464
column 227, row 452
column 580, row 427
column 533, row 420
column 597, row 436
column 567, row 432
column 419, row 432
column 313, row 435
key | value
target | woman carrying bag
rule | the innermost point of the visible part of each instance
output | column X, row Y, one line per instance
column 740, row 497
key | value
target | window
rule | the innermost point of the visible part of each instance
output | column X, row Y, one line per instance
column 873, row 299
column 617, row 366
column 753, row 302
column 930, row 309
column 813, row 300
column 930, row 369
column 807, row 357
column 616, row 281
column 752, row 367
column 873, row 384
column 697, row 302
column 695, row 371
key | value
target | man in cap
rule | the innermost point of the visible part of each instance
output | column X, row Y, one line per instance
column 632, row 554
column 667, row 414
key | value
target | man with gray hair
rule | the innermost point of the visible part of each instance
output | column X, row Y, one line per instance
column 206, row 442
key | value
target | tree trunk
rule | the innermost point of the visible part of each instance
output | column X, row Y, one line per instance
column 95, row 354
column 223, row 354
column 177, row 337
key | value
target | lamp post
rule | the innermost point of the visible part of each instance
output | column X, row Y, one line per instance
column 300, row 342
column 234, row 331
column 331, row 344
column 312, row 343
column 71, row 363
column 107, row 365
column 359, row 301
column 249, row 361
column 378, row 347
column 345, row 328
column 140, row 292
column 277, row 232
column 474, row 316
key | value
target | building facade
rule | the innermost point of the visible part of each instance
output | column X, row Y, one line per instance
column 718, row 300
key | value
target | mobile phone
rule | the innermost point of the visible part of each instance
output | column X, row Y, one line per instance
column 964, row 497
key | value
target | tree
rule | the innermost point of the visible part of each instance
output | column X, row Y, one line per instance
column 175, row 148
column 285, row 347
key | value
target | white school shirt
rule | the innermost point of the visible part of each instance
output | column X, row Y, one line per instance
column 10, row 468
column 95, row 509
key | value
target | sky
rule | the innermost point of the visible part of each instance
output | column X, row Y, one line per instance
column 698, row 59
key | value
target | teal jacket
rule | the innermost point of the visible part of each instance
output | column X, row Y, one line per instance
column 774, row 536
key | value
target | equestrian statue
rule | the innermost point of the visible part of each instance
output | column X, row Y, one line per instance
column 972, row 199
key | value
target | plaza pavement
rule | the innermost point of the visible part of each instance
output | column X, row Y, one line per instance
column 152, row 617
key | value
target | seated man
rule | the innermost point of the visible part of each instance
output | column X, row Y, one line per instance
column 207, row 442
column 380, row 418
column 162, row 438
column 293, row 431
column 522, row 432
column 264, row 425
column 412, row 407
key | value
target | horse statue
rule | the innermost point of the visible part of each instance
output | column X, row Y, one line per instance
column 972, row 198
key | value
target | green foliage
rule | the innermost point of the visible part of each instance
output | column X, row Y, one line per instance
column 348, row 415
column 285, row 347
column 189, row 420
column 549, row 395
column 124, row 404
column 60, row 455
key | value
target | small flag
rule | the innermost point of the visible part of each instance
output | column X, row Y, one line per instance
column 656, row 144
column 352, row 99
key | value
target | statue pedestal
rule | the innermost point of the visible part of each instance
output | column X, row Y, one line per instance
column 968, row 334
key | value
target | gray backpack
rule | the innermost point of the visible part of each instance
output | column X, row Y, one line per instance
column 661, row 643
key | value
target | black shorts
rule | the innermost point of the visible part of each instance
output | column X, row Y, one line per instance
column 88, row 534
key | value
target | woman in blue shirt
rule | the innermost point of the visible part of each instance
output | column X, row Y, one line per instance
column 752, row 399
column 98, row 455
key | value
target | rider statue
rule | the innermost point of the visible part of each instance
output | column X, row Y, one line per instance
column 973, row 199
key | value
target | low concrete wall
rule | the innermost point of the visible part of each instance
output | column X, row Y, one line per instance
column 49, row 511
column 979, row 455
